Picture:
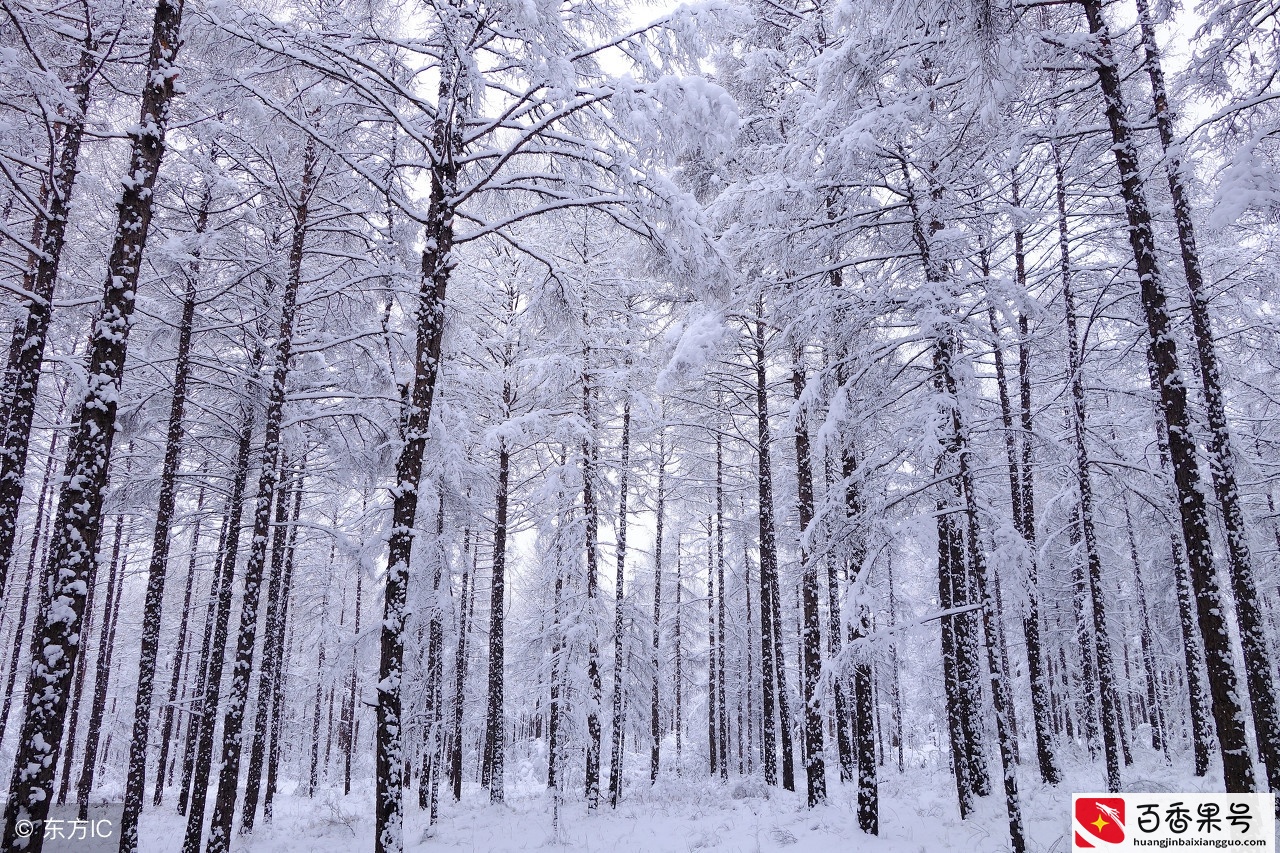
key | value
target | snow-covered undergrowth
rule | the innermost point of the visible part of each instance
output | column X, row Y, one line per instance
column 678, row 815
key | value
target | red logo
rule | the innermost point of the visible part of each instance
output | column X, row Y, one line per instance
column 1099, row 819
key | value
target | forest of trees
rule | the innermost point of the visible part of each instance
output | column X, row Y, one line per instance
column 441, row 401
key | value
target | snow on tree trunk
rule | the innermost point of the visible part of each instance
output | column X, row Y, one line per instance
column 1101, row 642
column 181, row 667
column 655, row 704
column 1250, row 620
column 811, row 638
column 209, row 688
column 78, row 520
column 619, row 720
column 136, row 777
column 591, row 775
column 26, row 352
column 437, row 263
column 495, row 721
column 1229, row 709
column 255, row 566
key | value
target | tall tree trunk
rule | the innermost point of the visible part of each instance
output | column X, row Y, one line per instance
column 26, row 351
column 655, row 705
column 722, row 721
column 153, row 606
column 860, row 627
column 1155, row 709
column 811, row 637
column 270, row 664
column 1093, row 561
column 106, row 646
column 1259, row 661
column 78, row 520
column 835, row 631
column 592, row 518
column 713, row 746
column 944, row 364
column 224, row 805
column 460, row 671
column 429, row 783
column 281, row 646
column 961, row 670
column 615, row 760
column 1021, row 492
column 1199, row 701
column 27, row 583
column 210, row 686
column 180, row 667
column 437, row 262
column 677, row 722
column 495, row 722
column 773, row 663
column 1230, row 714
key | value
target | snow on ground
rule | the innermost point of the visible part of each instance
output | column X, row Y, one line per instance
column 918, row 815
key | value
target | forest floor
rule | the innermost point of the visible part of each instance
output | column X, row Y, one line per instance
column 918, row 814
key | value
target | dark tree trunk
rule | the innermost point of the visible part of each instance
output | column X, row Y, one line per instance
column 1230, row 714
column 678, row 677
column 1021, row 492
column 460, row 671
column 281, row 647
column 655, row 705
column 27, row 583
column 1101, row 646
column 106, row 645
column 722, row 708
column 592, row 518
column 811, row 638
column 713, row 747
column 494, row 718
column 1202, row 720
column 270, row 664
column 349, row 716
column 210, row 688
column 136, row 779
column 26, row 351
column 436, row 266
column 1259, row 661
column 224, row 806
column 180, row 666
column 1155, row 708
column 774, row 664
column 615, row 758
column 78, row 520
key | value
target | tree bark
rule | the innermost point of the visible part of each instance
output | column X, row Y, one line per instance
column 270, row 664
column 1101, row 646
column 22, row 374
column 1259, row 660
column 106, row 646
column 78, row 520
column 495, row 721
column 615, row 759
column 591, row 514
column 811, row 639
column 180, row 665
column 1228, row 709
column 437, row 263
column 210, row 687
column 27, row 583
column 655, row 705
column 269, row 476
column 281, row 646
column 153, row 606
